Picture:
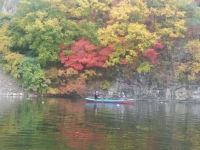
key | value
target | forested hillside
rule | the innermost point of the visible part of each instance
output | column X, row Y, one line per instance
column 61, row 47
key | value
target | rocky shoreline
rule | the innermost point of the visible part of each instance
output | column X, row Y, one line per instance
column 174, row 92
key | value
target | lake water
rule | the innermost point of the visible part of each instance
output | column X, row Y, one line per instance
column 61, row 124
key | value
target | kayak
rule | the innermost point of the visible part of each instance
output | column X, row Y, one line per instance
column 110, row 100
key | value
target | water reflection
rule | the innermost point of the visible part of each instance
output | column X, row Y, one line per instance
column 60, row 124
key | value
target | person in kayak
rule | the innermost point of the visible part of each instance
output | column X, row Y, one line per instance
column 96, row 95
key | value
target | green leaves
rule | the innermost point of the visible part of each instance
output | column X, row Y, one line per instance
column 33, row 77
column 144, row 67
column 38, row 33
column 27, row 70
column 75, row 31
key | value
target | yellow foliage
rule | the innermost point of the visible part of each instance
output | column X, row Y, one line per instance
column 168, row 21
column 193, row 48
column 144, row 67
column 121, row 12
column 13, row 60
column 13, row 56
column 128, row 38
column 125, row 29
column 52, row 73
column 195, row 67
column 83, row 8
column 182, row 67
column 125, row 11
column 41, row 14
column 107, row 35
column 90, row 73
column 52, row 22
column 139, row 37
column 4, row 39
column 67, row 72
column 53, row 91
column 191, row 69
column 95, row 4
column 167, row 11
column 83, row 77
column 105, row 85
column 191, row 77
column 59, row 4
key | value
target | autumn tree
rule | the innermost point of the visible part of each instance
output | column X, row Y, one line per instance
column 38, row 32
column 85, row 55
column 126, row 30
column 190, row 69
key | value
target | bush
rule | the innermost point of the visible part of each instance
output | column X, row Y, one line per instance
column 32, row 76
column 27, row 70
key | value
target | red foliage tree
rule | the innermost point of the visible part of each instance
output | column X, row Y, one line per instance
column 85, row 55
column 151, row 54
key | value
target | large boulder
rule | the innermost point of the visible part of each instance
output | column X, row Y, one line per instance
column 182, row 94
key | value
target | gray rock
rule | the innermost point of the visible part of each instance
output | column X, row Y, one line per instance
column 9, row 6
column 8, row 86
column 181, row 94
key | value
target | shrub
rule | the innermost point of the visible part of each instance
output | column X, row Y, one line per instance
column 27, row 70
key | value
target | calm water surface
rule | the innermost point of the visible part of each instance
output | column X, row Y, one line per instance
column 60, row 124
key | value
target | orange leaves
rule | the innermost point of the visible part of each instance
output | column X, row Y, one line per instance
column 67, row 72
column 70, row 81
column 74, row 86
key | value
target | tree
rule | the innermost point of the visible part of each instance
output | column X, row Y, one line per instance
column 37, row 30
column 84, row 55
column 4, row 38
column 190, row 69
column 127, row 32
